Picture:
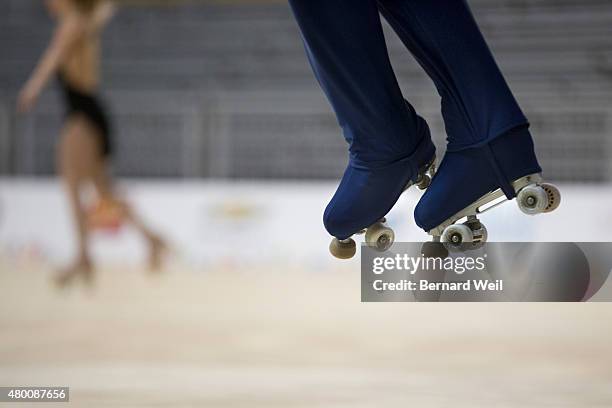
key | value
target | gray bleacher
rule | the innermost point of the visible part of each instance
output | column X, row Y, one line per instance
column 205, row 90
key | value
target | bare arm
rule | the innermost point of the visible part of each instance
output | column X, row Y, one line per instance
column 103, row 13
column 64, row 38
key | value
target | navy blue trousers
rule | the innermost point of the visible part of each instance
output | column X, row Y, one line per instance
column 388, row 140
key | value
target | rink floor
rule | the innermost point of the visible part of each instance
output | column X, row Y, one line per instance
column 281, row 327
column 290, row 338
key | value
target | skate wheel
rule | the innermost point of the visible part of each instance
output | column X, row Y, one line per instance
column 554, row 197
column 424, row 182
column 457, row 235
column 343, row 249
column 484, row 234
column 479, row 231
column 480, row 237
column 532, row 200
column 432, row 170
column 379, row 237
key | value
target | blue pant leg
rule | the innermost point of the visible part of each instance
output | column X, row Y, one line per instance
column 477, row 104
column 388, row 141
column 489, row 143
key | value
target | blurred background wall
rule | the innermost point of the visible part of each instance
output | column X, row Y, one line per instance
column 231, row 152
column 217, row 116
column 223, row 90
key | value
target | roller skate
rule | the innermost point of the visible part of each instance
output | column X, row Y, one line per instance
column 473, row 181
column 532, row 197
column 373, row 201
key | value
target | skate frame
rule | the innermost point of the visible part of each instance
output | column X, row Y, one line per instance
column 480, row 205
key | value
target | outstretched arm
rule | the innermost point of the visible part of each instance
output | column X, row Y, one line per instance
column 64, row 38
column 103, row 13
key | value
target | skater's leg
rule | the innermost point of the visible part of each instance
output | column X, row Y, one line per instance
column 74, row 151
column 103, row 185
column 477, row 103
column 489, row 141
column 388, row 140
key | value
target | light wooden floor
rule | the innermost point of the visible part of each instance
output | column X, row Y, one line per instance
column 286, row 338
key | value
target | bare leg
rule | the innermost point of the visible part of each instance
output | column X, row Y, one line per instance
column 101, row 179
column 103, row 185
column 74, row 149
column 156, row 244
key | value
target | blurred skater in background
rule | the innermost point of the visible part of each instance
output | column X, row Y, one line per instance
column 85, row 145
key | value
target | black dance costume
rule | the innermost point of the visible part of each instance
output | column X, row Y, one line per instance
column 78, row 102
